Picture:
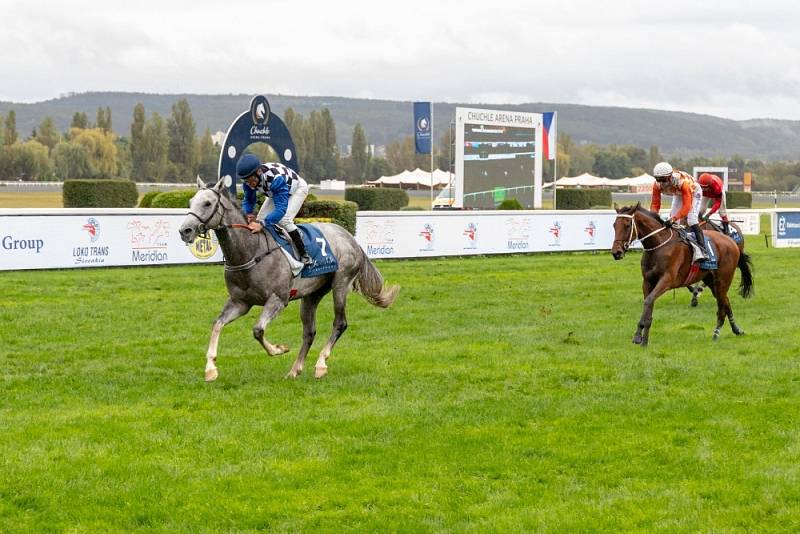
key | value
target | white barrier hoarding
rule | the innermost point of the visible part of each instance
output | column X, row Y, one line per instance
column 786, row 228
column 408, row 235
column 99, row 238
column 459, row 233
column 64, row 238
column 748, row 220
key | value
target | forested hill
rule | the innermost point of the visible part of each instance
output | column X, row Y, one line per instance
column 685, row 134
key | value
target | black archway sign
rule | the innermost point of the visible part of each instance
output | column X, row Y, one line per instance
column 256, row 125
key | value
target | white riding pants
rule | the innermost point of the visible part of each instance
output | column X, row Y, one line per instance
column 723, row 212
column 296, row 200
column 692, row 217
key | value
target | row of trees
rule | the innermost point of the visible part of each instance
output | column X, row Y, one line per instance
column 168, row 149
column 158, row 149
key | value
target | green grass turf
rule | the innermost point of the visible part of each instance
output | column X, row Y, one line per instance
column 497, row 394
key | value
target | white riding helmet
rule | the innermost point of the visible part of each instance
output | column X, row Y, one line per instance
column 662, row 169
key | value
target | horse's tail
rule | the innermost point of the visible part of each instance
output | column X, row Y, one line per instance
column 370, row 284
column 746, row 268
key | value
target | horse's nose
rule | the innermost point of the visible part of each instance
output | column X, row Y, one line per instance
column 186, row 233
column 617, row 254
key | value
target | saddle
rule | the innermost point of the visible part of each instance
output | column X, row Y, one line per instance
column 733, row 234
column 708, row 264
column 324, row 261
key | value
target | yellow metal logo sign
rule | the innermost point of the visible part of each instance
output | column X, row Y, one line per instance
column 204, row 247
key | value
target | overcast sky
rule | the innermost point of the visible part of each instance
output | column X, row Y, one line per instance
column 737, row 59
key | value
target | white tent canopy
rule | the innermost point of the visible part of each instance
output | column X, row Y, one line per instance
column 588, row 180
column 642, row 179
column 415, row 178
column 584, row 180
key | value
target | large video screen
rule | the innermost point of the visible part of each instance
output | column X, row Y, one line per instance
column 498, row 164
column 497, row 158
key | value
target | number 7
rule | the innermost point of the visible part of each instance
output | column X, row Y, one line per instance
column 322, row 244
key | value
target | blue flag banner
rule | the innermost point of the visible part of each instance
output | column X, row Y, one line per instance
column 422, row 127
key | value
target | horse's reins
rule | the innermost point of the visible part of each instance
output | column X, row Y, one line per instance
column 203, row 232
column 634, row 235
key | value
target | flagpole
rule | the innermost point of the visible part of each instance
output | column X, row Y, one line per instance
column 555, row 173
column 432, row 138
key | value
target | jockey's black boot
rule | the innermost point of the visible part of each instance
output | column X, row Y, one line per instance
column 701, row 240
column 726, row 227
column 301, row 248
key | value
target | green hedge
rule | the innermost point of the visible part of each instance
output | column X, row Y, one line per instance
column 582, row 199
column 99, row 194
column 147, row 199
column 377, row 198
column 510, row 204
column 173, row 199
column 342, row 213
column 738, row 199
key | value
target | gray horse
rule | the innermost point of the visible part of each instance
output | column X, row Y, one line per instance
column 257, row 273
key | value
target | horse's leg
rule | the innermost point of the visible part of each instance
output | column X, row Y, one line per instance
column 340, row 292
column 308, row 314
column 722, row 292
column 230, row 312
column 723, row 304
column 272, row 307
column 735, row 327
column 696, row 290
column 646, row 289
column 647, row 312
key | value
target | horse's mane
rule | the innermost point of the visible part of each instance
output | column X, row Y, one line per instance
column 227, row 194
column 630, row 210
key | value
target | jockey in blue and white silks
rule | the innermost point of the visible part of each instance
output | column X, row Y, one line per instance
column 284, row 190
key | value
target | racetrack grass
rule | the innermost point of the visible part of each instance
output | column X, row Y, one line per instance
column 497, row 394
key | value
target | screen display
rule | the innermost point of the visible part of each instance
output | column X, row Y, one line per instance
column 498, row 165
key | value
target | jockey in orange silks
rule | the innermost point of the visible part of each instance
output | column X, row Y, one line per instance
column 686, row 199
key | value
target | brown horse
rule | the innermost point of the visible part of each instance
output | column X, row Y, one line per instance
column 711, row 226
column 667, row 264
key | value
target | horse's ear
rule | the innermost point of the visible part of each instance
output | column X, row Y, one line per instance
column 225, row 181
column 637, row 206
column 616, row 207
column 200, row 183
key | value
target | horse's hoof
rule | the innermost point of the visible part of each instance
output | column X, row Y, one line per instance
column 278, row 350
column 715, row 336
column 319, row 372
column 211, row 374
column 694, row 303
column 293, row 374
column 739, row 332
column 637, row 340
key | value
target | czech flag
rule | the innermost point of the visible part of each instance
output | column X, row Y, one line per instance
column 550, row 140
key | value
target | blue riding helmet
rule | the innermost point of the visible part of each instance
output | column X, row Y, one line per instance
column 247, row 165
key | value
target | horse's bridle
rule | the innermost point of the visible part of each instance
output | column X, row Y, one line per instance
column 634, row 235
column 202, row 231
